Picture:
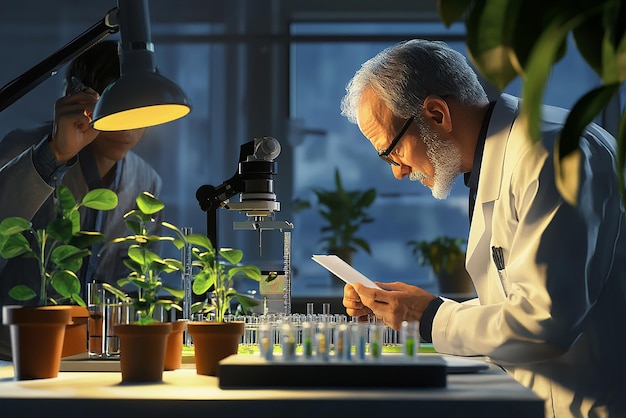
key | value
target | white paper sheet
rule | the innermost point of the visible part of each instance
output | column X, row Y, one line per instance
column 343, row 270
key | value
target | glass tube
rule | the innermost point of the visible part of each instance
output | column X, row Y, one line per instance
column 376, row 340
column 410, row 338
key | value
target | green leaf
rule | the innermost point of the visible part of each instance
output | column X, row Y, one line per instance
column 614, row 42
column 14, row 225
column 148, row 204
column 119, row 294
column 67, row 201
column 490, row 26
column 589, row 37
column 202, row 283
column 200, row 307
column 160, row 265
column 174, row 228
column 22, row 293
column 145, row 285
column 252, row 272
column 141, row 255
column 61, row 229
column 78, row 300
column 68, row 257
column 200, row 240
column 246, row 301
column 85, row 239
column 132, row 266
column 174, row 265
column 529, row 26
column 363, row 244
column 177, row 293
column 231, row 255
column 134, row 226
column 452, row 10
column 14, row 246
column 74, row 217
column 168, row 304
column 145, row 321
column 541, row 60
column 100, row 199
column 65, row 283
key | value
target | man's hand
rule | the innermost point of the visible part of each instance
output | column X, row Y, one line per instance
column 352, row 303
column 395, row 303
column 71, row 129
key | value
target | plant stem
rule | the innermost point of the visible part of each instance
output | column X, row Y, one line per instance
column 42, row 238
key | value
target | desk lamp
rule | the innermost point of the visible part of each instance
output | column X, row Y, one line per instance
column 139, row 98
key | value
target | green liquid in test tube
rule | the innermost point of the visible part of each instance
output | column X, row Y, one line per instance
column 307, row 339
column 376, row 341
column 409, row 347
column 410, row 337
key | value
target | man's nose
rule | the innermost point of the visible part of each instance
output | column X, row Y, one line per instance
column 399, row 171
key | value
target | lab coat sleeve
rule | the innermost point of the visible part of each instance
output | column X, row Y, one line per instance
column 558, row 258
column 22, row 190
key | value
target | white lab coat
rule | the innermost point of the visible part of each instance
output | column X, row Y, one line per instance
column 555, row 316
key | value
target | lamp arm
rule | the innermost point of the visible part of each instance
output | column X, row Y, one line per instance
column 24, row 83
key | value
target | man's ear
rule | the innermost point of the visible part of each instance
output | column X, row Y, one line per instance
column 437, row 111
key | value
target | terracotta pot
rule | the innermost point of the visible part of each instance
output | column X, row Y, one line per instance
column 142, row 351
column 214, row 341
column 174, row 348
column 75, row 341
column 37, row 335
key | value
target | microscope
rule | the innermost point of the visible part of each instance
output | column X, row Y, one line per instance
column 254, row 182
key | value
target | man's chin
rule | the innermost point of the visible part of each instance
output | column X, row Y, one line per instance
column 440, row 193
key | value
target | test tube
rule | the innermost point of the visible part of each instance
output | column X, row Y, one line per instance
column 359, row 331
column 266, row 341
column 308, row 332
column 287, row 341
column 326, row 309
column 342, row 342
column 410, row 338
column 321, row 341
column 376, row 340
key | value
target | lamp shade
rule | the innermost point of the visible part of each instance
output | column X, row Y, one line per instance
column 139, row 99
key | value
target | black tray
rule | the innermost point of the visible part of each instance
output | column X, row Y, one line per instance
column 250, row 372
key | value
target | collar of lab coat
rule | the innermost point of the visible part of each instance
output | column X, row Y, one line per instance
column 500, row 125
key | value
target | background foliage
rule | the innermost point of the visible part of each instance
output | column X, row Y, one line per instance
column 526, row 38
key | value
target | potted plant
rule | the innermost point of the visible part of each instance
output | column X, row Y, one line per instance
column 216, row 339
column 344, row 211
column 143, row 343
column 59, row 249
column 446, row 257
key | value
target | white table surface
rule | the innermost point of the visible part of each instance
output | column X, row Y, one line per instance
column 489, row 393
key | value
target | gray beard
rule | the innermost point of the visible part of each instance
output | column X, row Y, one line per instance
column 446, row 161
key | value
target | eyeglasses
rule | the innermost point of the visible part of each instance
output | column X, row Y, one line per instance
column 384, row 154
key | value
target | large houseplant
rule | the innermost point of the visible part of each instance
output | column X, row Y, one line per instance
column 508, row 38
column 446, row 257
column 143, row 343
column 214, row 274
column 59, row 249
column 344, row 212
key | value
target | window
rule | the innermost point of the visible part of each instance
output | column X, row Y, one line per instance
column 325, row 140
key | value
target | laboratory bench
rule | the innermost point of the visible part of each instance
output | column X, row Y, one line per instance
column 489, row 392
